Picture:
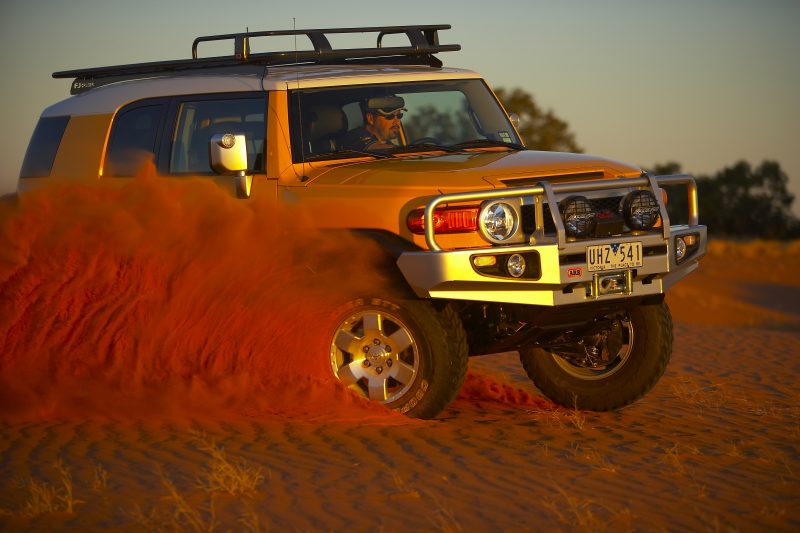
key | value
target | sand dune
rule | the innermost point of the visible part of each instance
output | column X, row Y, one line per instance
column 715, row 446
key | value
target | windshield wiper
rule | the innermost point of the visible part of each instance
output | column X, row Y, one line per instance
column 360, row 153
column 424, row 146
column 481, row 143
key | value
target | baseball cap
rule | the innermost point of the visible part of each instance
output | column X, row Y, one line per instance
column 386, row 104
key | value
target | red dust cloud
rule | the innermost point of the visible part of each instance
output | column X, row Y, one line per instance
column 481, row 388
column 151, row 297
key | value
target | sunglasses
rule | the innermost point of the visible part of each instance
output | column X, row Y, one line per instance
column 390, row 116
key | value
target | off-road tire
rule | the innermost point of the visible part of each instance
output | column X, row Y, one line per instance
column 438, row 340
column 649, row 353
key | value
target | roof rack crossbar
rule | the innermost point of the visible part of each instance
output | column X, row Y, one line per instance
column 415, row 37
column 319, row 41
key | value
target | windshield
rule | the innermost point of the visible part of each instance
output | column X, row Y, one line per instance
column 390, row 119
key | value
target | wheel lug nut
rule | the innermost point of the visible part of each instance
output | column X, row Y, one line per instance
column 387, row 348
column 378, row 369
column 367, row 363
column 388, row 362
column 376, row 342
column 365, row 349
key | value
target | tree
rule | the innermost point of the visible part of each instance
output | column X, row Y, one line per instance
column 540, row 130
column 739, row 201
column 678, row 203
column 446, row 127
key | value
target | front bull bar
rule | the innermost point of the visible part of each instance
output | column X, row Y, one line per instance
column 546, row 190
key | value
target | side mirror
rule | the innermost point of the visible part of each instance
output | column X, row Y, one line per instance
column 228, row 155
column 514, row 118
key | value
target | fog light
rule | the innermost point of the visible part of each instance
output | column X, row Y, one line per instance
column 484, row 261
column 578, row 215
column 680, row 249
column 640, row 210
column 516, row 265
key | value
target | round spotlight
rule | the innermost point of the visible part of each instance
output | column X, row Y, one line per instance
column 640, row 210
column 578, row 215
column 680, row 249
column 228, row 140
column 516, row 265
column 498, row 221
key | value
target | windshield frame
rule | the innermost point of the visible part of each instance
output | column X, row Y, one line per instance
column 301, row 103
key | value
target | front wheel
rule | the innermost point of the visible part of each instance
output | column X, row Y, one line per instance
column 405, row 354
column 634, row 354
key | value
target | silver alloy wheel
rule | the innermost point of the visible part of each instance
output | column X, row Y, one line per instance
column 374, row 353
column 614, row 363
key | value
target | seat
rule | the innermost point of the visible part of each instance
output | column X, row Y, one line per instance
column 326, row 125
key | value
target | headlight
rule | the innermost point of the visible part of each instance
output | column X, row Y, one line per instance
column 578, row 215
column 640, row 210
column 498, row 221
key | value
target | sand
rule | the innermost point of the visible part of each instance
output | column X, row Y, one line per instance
column 714, row 446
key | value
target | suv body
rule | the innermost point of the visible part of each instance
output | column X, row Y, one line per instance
column 562, row 257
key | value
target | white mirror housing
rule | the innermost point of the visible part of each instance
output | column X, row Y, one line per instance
column 228, row 155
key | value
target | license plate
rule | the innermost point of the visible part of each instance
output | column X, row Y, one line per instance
column 614, row 256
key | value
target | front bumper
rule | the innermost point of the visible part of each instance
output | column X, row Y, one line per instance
column 563, row 277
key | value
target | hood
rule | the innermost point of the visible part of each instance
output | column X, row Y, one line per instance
column 474, row 170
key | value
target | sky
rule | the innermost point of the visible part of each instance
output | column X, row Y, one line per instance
column 705, row 83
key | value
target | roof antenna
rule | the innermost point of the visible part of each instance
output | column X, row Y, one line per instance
column 303, row 177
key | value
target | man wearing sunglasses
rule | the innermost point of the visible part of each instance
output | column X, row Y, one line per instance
column 382, row 116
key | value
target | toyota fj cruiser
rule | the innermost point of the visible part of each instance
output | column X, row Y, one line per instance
column 564, row 258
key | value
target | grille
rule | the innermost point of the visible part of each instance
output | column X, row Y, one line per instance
column 528, row 214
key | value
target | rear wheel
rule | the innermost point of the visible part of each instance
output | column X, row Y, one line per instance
column 404, row 354
column 620, row 364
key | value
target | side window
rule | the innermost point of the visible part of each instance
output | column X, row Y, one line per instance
column 43, row 147
column 199, row 120
column 133, row 140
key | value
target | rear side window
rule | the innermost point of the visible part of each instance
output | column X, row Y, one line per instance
column 42, row 149
column 199, row 120
column 133, row 140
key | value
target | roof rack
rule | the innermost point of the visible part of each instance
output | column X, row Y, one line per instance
column 423, row 43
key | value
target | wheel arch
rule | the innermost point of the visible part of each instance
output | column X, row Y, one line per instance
column 393, row 246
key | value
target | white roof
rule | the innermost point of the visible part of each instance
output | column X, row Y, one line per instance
column 109, row 98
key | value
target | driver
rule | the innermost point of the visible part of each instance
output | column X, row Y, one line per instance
column 382, row 116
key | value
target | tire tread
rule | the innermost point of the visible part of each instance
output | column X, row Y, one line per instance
column 659, row 339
